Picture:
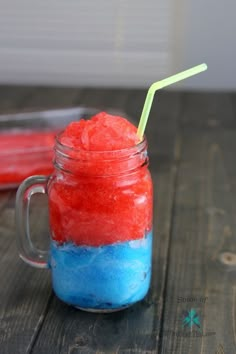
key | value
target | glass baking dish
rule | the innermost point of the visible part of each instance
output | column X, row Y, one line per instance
column 27, row 139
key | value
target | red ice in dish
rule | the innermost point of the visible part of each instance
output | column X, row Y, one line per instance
column 98, row 204
column 23, row 154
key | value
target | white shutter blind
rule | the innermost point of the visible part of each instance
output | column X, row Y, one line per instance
column 103, row 42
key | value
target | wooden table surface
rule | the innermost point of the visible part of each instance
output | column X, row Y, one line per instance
column 192, row 147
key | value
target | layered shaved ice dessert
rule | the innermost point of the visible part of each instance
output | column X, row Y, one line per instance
column 100, row 208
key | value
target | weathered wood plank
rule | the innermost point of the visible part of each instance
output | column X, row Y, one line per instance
column 12, row 98
column 95, row 97
column 202, row 266
column 208, row 111
column 135, row 330
column 25, row 292
column 201, row 257
column 106, row 99
column 42, row 98
column 233, row 100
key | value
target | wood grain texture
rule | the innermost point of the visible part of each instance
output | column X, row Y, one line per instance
column 12, row 98
column 51, row 97
column 203, row 232
column 192, row 144
column 111, row 100
column 135, row 330
column 208, row 111
column 25, row 292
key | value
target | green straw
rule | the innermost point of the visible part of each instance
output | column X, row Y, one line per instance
column 159, row 85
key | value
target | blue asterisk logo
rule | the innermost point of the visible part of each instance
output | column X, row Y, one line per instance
column 191, row 319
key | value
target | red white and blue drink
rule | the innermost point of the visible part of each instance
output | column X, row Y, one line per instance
column 100, row 207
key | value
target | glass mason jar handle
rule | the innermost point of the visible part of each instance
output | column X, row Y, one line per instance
column 28, row 252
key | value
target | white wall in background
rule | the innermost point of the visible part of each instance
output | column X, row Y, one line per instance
column 117, row 42
column 210, row 37
column 74, row 42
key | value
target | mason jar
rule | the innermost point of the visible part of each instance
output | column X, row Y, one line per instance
column 100, row 214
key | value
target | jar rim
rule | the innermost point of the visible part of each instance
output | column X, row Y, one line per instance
column 135, row 148
column 102, row 162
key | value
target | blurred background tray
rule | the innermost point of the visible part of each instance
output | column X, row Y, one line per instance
column 27, row 139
